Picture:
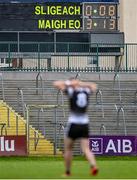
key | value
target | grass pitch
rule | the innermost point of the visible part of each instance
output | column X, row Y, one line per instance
column 53, row 168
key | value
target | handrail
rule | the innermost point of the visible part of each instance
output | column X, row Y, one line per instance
column 61, row 127
column 39, row 111
column 100, row 101
column 62, row 101
column 77, row 75
column 121, row 109
column 3, row 94
column 36, row 139
column 103, row 127
column 23, row 105
column 100, row 93
column 57, row 135
column 116, row 77
column 3, row 127
column 55, row 123
column 41, row 83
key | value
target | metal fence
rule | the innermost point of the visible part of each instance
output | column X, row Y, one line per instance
column 84, row 57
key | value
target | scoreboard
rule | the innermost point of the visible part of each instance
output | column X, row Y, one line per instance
column 59, row 15
column 100, row 17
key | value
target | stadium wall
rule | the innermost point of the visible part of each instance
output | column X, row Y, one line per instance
column 64, row 75
column 128, row 19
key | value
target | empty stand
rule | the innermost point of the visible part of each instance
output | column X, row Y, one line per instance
column 112, row 111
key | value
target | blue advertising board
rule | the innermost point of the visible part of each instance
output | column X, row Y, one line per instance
column 44, row 1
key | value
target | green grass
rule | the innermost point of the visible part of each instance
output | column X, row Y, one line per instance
column 53, row 168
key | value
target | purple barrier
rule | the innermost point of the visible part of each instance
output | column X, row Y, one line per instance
column 113, row 145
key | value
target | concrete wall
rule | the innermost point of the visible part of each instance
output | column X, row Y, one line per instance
column 65, row 75
column 128, row 20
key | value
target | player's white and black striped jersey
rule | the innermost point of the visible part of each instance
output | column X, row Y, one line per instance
column 78, row 99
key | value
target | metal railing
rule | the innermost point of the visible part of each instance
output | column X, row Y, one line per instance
column 77, row 76
column 103, row 128
column 40, row 111
column 2, row 86
column 22, row 101
column 54, row 108
column 121, row 109
column 3, row 128
column 64, row 56
column 100, row 102
column 58, row 126
column 62, row 101
column 39, row 77
column 117, row 80
column 36, row 139
column 22, row 104
column 36, row 133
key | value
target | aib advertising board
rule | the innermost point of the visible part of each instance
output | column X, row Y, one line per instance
column 13, row 146
column 113, row 145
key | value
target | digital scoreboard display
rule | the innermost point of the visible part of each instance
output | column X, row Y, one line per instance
column 91, row 16
column 100, row 17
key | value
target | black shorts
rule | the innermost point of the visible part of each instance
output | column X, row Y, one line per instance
column 75, row 131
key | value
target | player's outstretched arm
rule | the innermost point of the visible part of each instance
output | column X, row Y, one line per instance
column 62, row 85
column 59, row 85
column 91, row 85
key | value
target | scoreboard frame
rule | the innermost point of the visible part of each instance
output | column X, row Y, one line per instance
column 58, row 21
column 41, row 1
column 100, row 17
